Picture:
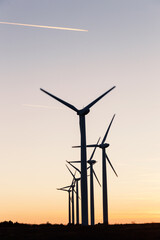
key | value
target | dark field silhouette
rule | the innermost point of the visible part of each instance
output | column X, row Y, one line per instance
column 9, row 231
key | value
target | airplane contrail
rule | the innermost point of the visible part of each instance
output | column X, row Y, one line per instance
column 41, row 26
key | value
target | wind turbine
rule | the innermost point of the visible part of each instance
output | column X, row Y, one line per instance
column 72, row 186
column 82, row 113
column 91, row 162
column 103, row 146
column 69, row 190
column 76, row 180
column 69, row 200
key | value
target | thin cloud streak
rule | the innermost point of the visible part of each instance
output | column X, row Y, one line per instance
column 40, row 106
column 41, row 26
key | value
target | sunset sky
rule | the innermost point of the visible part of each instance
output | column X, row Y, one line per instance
column 121, row 48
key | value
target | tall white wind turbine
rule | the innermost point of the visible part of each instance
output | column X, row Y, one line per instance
column 82, row 113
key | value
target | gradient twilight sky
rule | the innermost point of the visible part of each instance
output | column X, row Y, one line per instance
column 121, row 48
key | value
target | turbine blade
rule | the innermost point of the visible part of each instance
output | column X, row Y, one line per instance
column 74, row 167
column 60, row 100
column 105, row 136
column 74, row 161
column 65, row 187
column 111, row 165
column 96, row 178
column 94, row 149
column 74, row 177
column 70, row 172
column 62, row 189
column 92, row 145
column 73, row 183
column 76, row 193
column 97, row 99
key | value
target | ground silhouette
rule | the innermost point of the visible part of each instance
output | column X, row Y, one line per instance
column 17, row 231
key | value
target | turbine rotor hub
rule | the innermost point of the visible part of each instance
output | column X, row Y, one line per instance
column 104, row 145
column 91, row 161
column 83, row 112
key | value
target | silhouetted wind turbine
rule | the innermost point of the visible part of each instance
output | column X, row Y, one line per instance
column 72, row 187
column 77, row 194
column 69, row 200
column 82, row 113
column 91, row 162
column 69, row 190
column 103, row 146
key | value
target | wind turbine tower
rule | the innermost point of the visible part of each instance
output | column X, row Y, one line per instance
column 91, row 162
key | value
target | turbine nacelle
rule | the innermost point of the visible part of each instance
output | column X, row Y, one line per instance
column 73, row 185
column 104, row 145
column 83, row 111
column 91, row 161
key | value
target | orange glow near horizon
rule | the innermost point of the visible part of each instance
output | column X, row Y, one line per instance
column 46, row 216
column 32, row 212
